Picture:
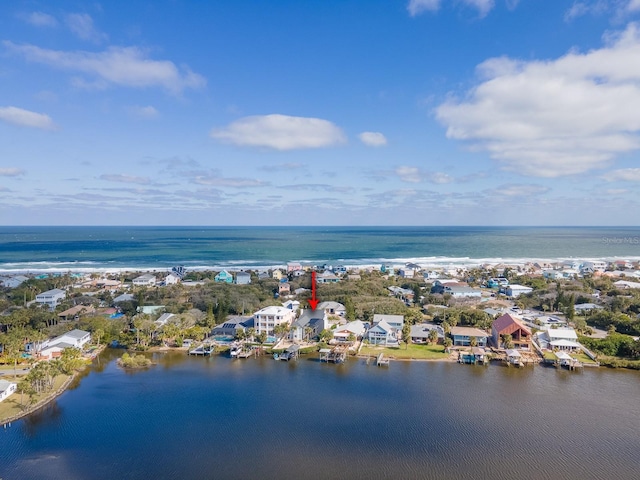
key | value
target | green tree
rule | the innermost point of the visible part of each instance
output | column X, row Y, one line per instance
column 406, row 334
column 97, row 335
column 433, row 336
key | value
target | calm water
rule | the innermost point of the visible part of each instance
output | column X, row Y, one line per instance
column 77, row 248
column 222, row 418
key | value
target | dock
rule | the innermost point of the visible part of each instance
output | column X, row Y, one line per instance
column 382, row 361
column 335, row 355
column 291, row 353
column 202, row 349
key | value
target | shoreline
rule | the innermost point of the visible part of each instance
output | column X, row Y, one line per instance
column 435, row 263
column 43, row 402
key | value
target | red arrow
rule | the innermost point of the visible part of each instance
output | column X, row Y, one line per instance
column 314, row 301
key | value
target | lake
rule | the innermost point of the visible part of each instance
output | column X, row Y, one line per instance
column 190, row 417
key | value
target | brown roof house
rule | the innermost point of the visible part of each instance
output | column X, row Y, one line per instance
column 508, row 325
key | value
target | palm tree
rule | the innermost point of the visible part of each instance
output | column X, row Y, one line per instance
column 307, row 333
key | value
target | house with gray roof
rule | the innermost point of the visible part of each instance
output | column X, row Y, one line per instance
column 316, row 320
column 232, row 325
column 421, row 331
column 51, row 298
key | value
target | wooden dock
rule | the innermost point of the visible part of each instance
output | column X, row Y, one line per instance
column 382, row 361
column 335, row 355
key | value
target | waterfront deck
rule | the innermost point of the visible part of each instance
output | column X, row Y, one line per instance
column 202, row 349
column 335, row 355
column 382, row 361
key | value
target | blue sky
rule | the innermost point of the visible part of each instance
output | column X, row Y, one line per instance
column 353, row 112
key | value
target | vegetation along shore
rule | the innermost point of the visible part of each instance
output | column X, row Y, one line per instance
column 565, row 314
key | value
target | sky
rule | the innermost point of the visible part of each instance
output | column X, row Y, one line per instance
column 320, row 112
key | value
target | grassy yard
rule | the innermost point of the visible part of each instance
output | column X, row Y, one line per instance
column 417, row 352
column 11, row 406
column 582, row 357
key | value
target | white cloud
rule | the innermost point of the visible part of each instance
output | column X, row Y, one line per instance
column 483, row 6
column 409, row 174
column 280, row 132
column 557, row 117
column 123, row 66
column 519, row 190
column 81, row 25
column 623, row 174
column 11, row 172
column 125, row 179
column 40, row 19
column 143, row 112
column 416, row 7
column 216, row 181
column 633, row 5
column 373, row 139
column 26, row 118
column 415, row 175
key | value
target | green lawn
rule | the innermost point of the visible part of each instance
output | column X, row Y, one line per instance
column 582, row 357
column 418, row 352
column 11, row 406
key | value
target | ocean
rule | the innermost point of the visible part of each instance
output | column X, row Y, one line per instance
column 83, row 249
column 217, row 417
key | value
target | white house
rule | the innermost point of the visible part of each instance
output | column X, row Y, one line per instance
column 624, row 285
column 343, row 332
column 145, row 280
column 292, row 305
column 394, row 321
column 462, row 291
column 51, row 298
column 594, row 266
column 12, row 281
column 559, row 338
column 383, row 334
column 172, row 279
column 517, row 290
column 6, row 389
column 582, row 308
column 333, row 308
column 243, row 278
column 76, row 338
column 267, row 318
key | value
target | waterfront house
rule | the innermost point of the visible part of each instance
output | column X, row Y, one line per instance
column 593, row 266
column 395, row 321
column 76, row 338
column 316, row 320
column 383, row 334
column 343, row 332
column 243, row 278
column 146, row 280
column 277, row 274
column 564, row 338
column 508, row 325
column 421, row 331
column 51, row 298
column 223, row 277
column 462, row 336
column 232, row 325
column 267, row 318
column 7, row 389
column 333, row 308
